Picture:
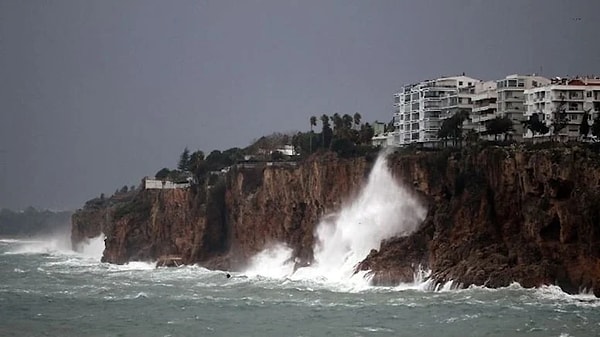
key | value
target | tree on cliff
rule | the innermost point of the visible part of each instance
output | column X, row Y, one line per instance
column 453, row 127
column 389, row 127
column 195, row 161
column 162, row 173
column 499, row 125
column 338, row 123
column 313, row 122
column 357, row 117
column 347, row 122
column 584, row 128
column 559, row 118
column 536, row 125
column 366, row 133
column 596, row 127
column 184, row 160
column 326, row 131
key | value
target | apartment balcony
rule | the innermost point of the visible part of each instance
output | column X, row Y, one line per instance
column 567, row 98
column 482, row 118
column 431, row 95
column 512, row 99
column 432, row 110
column 480, row 109
column 485, row 94
column 432, row 104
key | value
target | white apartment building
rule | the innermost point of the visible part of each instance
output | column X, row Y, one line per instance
column 453, row 102
column 511, row 100
column 484, row 106
column 574, row 96
column 420, row 107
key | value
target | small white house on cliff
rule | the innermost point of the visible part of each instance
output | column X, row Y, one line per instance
column 151, row 183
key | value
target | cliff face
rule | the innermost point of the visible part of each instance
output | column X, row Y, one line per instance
column 246, row 211
column 495, row 215
column 498, row 216
column 284, row 205
column 159, row 223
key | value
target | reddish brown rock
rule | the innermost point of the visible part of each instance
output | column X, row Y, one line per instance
column 501, row 215
column 284, row 205
column 223, row 225
column 495, row 216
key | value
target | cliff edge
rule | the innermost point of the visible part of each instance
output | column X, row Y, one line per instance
column 499, row 215
column 495, row 215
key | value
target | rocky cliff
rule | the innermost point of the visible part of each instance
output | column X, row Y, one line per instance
column 495, row 215
column 498, row 215
column 222, row 225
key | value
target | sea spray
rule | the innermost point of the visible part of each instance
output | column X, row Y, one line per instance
column 382, row 209
column 92, row 248
column 60, row 244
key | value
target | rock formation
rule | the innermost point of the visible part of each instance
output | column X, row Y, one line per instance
column 500, row 215
column 495, row 215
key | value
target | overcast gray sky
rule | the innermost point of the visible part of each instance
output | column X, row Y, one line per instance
column 98, row 94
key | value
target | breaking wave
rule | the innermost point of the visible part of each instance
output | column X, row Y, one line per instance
column 383, row 209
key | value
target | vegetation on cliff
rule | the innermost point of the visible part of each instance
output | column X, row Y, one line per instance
column 348, row 137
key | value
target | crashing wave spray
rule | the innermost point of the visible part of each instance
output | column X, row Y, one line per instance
column 92, row 248
column 60, row 244
column 382, row 209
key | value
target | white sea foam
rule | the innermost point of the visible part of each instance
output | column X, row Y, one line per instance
column 58, row 244
column 556, row 294
column 45, row 245
column 92, row 248
column 382, row 209
column 274, row 262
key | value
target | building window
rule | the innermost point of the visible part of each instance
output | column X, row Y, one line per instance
column 573, row 106
column 460, row 82
column 588, row 94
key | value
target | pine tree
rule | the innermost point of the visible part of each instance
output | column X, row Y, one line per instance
column 184, row 160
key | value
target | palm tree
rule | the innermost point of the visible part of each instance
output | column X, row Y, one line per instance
column 337, row 122
column 325, row 124
column 313, row 122
column 326, row 129
column 347, row 120
column 357, row 118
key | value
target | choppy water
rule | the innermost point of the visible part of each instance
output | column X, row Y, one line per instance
column 46, row 290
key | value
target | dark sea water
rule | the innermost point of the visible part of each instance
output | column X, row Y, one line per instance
column 47, row 290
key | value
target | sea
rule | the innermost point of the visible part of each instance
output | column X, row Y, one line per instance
column 48, row 289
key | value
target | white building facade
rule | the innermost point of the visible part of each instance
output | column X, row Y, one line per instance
column 573, row 96
column 419, row 108
column 484, row 106
column 511, row 99
column 156, row 184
